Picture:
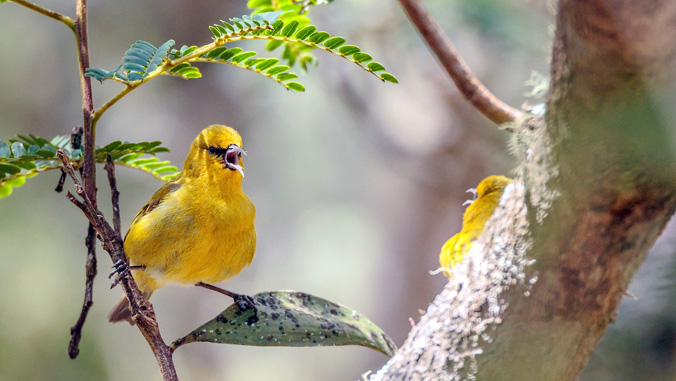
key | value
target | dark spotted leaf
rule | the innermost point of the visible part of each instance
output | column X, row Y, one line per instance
column 291, row 319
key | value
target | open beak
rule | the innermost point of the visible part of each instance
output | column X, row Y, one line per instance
column 231, row 159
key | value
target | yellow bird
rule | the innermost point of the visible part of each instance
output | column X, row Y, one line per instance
column 487, row 196
column 198, row 228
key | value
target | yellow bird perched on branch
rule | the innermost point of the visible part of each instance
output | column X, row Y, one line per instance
column 196, row 229
column 487, row 196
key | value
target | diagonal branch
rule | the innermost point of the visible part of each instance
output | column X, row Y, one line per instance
column 475, row 92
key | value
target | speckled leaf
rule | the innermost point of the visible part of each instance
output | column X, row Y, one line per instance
column 291, row 319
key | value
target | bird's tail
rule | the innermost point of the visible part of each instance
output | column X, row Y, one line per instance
column 122, row 310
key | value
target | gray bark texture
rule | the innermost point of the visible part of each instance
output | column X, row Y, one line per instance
column 594, row 188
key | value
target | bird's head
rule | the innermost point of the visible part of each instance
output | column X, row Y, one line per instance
column 492, row 184
column 217, row 150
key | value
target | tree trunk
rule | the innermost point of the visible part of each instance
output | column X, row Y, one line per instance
column 595, row 186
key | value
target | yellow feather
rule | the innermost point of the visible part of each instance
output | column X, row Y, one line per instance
column 488, row 194
column 198, row 227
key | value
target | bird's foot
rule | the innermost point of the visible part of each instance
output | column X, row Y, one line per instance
column 120, row 269
column 245, row 301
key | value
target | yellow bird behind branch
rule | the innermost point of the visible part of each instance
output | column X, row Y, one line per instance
column 487, row 196
column 198, row 228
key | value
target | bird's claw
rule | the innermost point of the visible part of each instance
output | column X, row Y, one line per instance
column 120, row 268
column 244, row 302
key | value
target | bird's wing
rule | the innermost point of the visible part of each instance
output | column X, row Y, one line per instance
column 157, row 199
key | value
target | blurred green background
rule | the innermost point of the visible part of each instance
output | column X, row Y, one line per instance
column 357, row 184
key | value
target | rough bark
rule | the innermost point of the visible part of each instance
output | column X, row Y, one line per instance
column 595, row 186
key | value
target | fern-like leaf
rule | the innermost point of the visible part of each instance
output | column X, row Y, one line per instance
column 309, row 38
column 142, row 59
column 297, row 11
column 245, row 25
column 26, row 156
column 268, row 67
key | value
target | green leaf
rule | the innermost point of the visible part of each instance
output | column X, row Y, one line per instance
column 375, row 66
column 5, row 151
column 18, row 149
column 295, row 86
column 6, row 187
column 110, row 146
column 45, row 153
column 273, row 44
column 277, row 27
column 266, row 64
column 8, row 168
column 319, row 37
column 290, row 29
column 292, row 319
column 286, row 76
column 305, row 32
column 362, row 57
column 348, row 50
column 215, row 31
column 389, row 77
column 98, row 74
column 243, row 56
column 278, row 69
column 216, row 52
column 166, row 169
column 5, row 190
column 334, row 42
column 230, row 53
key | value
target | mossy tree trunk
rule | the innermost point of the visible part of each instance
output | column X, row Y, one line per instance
column 595, row 186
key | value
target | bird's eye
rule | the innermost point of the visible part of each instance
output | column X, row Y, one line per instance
column 212, row 150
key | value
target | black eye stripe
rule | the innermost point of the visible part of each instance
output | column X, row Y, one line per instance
column 217, row 151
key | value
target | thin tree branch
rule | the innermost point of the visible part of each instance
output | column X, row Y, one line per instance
column 115, row 194
column 142, row 311
column 89, row 163
column 51, row 14
column 475, row 92
column 90, row 271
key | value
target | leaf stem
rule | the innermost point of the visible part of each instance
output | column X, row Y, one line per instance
column 69, row 22
column 104, row 107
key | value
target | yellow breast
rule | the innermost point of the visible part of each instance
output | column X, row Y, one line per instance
column 193, row 237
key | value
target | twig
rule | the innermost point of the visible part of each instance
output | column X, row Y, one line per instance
column 90, row 270
column 115, row 194
column 90, row 265
column 75, row 143
column 44, row 11
column 475, row 92
column 141, row 310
